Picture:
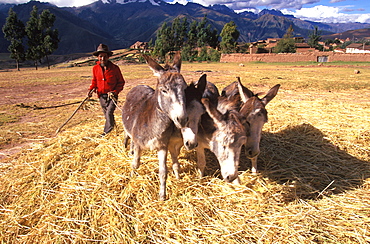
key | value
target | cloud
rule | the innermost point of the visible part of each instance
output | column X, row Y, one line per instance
column 328, row 14
column 70, row 3
column 353, row 9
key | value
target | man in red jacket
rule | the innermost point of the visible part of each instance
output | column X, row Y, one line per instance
column 107, row 82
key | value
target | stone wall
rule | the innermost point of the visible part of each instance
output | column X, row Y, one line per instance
column 294, row 57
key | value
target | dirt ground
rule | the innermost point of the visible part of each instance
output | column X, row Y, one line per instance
column 29, row 95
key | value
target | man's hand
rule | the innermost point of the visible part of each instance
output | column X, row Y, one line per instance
column 111, row 96
column 89, row 94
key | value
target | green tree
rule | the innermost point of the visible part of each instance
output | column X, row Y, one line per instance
column 202, row 33
column 229, row 35
column 14, row 32
column 193, row 35
column 205, row 34
column 50, row 36
column 179, row 32
column 163, row 43
column 42, row 39
column 188, row 53
column 287, row 43
column 35, row 40
column 213, row 38
column 314, row 38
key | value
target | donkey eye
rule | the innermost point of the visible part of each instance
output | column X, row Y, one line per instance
column 164, row 91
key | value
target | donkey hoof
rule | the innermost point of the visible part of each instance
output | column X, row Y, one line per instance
column 133, row 173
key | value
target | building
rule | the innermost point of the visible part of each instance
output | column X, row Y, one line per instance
column 358, row 48
column 267, row 46
column 140, row 45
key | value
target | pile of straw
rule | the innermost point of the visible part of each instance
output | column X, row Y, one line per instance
column 313, row 186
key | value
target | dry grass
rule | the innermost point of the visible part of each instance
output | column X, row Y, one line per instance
column 313, row 185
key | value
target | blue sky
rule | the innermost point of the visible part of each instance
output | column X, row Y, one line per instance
column 315, row 10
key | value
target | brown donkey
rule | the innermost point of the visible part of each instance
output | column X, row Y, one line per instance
column 149, row 115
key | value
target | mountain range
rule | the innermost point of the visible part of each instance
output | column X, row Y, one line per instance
column 118, row 25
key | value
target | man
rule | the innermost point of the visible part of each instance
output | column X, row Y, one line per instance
column 107, row 82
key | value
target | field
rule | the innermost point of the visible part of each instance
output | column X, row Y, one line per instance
column 313, row 184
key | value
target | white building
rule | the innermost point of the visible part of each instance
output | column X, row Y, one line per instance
column 358, row 48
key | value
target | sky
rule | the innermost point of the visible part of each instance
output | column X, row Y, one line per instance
column 330, row 11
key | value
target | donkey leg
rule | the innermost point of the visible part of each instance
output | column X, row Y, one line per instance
column 162, row 158
column 125, row 140
column 201, row 161
column 254, row 165
column 135, row 164
column 174, row 152
column 174, row 148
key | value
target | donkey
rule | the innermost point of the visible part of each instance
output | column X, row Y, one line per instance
column 254, row 110
column 149, row 115
column 187, row 136
column 222, row 131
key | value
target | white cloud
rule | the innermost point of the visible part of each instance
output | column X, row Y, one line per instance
column 70, row 3
column 328, row 14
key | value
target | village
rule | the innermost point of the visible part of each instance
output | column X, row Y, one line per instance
column 268, row 45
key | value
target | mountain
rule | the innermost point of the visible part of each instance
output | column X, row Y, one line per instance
column 356, row 35
column 121, row 23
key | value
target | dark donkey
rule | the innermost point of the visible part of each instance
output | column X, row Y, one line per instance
column 187, row 136
column 223, row 132
column 254, row 110
column 149, row 115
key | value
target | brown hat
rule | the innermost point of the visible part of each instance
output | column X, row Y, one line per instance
column 102, row 48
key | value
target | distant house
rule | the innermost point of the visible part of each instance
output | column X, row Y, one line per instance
column 303, row 47
column 267, row 46
column 140, row 45
column 358, row 48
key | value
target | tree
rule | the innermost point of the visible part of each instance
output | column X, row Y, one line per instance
column 213, row 38
column 202, row 33
column 188, row 38
column 34, row 35
column 163, row 42
column 50, row 36
column 287, row 43
column 42, row 39
column 14, row 32
column 205, row 34
column 179, row 32
column 229, row 35
column 314, row 38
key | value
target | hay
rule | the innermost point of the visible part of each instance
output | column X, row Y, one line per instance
column 313, row 185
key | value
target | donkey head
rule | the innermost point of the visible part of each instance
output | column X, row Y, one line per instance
column 170, row 91
column 227, row 139
column 195, row 109
column 254, row 114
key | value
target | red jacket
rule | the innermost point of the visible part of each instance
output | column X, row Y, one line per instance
column 109, row 81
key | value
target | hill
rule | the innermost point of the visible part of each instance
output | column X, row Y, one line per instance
column 120, row 25
column 355, row 35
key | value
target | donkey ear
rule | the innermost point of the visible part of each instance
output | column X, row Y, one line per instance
column 154, row 66
column 177, row 62
column 202, row 83
column 244, row 92
column 213, row 112
column 270, row 94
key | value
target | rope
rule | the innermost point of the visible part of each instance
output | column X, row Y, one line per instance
column 115, row 103
column 35, row 107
